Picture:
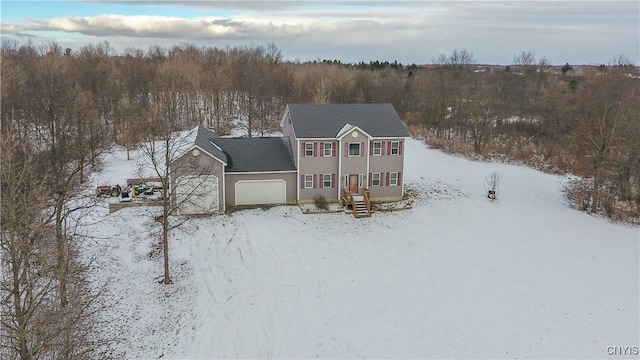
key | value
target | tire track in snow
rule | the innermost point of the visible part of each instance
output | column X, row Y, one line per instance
column 252, row 298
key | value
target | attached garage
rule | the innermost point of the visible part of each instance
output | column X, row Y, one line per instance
column 197, row 194
column 260, row 192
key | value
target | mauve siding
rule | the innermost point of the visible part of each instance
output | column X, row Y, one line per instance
column 202, row 164
column 385, row 164
column 354, row 164
column 232, row 178
column 318, row 165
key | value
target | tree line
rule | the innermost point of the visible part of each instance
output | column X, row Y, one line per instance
column 63, row 108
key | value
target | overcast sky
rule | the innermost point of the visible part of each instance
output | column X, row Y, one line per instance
column 577, row 32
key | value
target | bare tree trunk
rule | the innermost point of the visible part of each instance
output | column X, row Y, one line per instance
column 166, row 212
column 61, row 264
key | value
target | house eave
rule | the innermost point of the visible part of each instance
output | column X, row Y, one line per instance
column 231, row 172
column 354, row 128
column 194, row 146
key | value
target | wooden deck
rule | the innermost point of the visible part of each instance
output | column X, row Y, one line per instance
column 360, row 204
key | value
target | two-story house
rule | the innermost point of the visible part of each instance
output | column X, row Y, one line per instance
column 346, row 147
column 343, row 152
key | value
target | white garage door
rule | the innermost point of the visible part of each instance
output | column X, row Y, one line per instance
column 260, row 192
column 197, row 194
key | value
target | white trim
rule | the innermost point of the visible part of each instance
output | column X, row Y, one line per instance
column 188, row 151
column 260, row 172
column 224, row 191
column 340, row 154
column 305, row 181
column 403, row 173
column 338, row 136
column 345, row 129
column 297, row 157
column 368, row 163
column 217, row 147
column 316, row 139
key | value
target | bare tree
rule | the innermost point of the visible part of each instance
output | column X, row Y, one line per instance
column 524, row 58
column 56, row 109
column 607, row 103
column 457, row 57
column 184, row 184
column 34, row 322
column 163, row 145
column 28, row 276
column 492, row 185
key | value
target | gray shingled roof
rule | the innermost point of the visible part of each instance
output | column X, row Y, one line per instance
column 326, row 120
column 203, row 140
column 256, row 154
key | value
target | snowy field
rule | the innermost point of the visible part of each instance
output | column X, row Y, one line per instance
column 456, row 276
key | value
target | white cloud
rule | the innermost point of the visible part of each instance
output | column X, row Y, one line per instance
column 576, row 32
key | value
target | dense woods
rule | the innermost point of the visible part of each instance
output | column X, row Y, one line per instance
column 63, row 108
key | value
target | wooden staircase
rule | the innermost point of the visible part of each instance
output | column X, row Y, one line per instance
column 360, row 209
column 360, row 204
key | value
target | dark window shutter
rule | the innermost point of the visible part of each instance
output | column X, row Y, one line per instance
column 382, row 147
column 301, row 181
column 321, row 148
column 333, row 180
column 362, row 149
column 399, row 178
column 370, row 180
column 333, row 148
column 400, row 147
column 371, row 148
column 388, row 147
column 302, row 149
column 346, row 149
column 388, row 175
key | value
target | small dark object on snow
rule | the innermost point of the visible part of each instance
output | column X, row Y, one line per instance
column 492, row 195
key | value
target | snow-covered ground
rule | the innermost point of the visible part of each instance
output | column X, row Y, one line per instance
column 456, row 276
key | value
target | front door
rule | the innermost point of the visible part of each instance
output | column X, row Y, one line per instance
column 353, row 184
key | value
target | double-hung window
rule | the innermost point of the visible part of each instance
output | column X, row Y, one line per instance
column 328, row 149
column 393, row 179
column 377, row 148
column 395, row 147
column 308, row 149
column 326, row 180
column 375, row 179
column 354, row 149
column 308, row 181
